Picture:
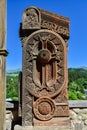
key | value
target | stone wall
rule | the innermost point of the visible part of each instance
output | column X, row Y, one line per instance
column 78, row 117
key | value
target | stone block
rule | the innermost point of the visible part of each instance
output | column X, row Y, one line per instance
column 17, row 127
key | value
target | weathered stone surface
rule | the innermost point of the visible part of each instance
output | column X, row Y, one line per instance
column 2, row 92
column 77, row 110
column 42, row 128
column 9, row 115
column 60, row 25
column 85, row 128
column 44, row 37
column 79, row 117
column 85, row 122
column 2, row 24
column 3, row 53
column 9, row 105
column 31, row 18
column 73, row 115
column 78, row 103
column 8, row 124
column 78, row 126
column 84, row 116
column 83, row 111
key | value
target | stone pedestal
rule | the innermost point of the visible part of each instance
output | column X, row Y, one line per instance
column 3, row 53
column 42, row 128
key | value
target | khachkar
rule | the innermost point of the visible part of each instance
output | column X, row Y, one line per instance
column 44, row 38
column 3, row 53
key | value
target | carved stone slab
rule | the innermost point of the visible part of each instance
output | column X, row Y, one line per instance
column 44, row 38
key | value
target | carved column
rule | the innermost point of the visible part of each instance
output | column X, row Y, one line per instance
column 44, row 38
column 3, row 53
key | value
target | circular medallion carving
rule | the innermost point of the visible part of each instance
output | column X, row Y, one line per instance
column 44, row 56
column 44, row 108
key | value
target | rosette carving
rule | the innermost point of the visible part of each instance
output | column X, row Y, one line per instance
column 44, row 108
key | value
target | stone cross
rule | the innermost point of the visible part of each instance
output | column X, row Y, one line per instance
column 44, row 37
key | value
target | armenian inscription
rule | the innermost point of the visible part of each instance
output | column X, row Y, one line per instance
column 44, row 74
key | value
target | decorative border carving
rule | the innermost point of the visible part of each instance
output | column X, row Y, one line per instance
column 27, row 115
column 55, row 27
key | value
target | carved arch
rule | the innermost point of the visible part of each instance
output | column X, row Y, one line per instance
column 31, row 18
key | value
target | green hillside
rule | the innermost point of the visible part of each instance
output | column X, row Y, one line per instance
column 76, row 85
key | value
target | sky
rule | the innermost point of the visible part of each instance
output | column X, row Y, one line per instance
column 75, row 10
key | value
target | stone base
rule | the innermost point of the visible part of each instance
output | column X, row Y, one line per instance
column 41, row 128
column 62, row 121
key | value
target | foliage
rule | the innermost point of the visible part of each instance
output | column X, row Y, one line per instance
column 12, row 87
column 76, row 85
